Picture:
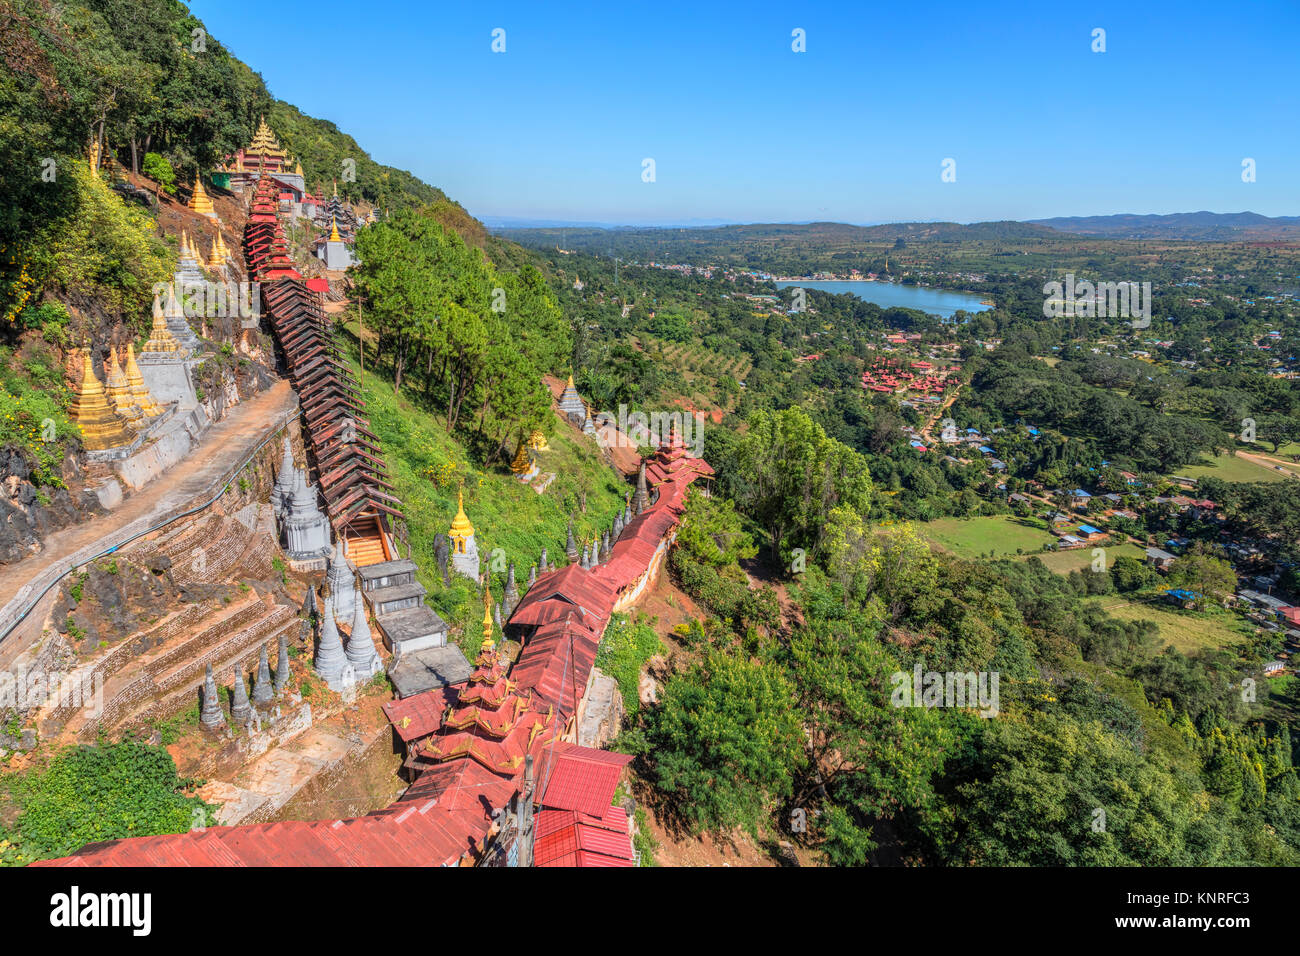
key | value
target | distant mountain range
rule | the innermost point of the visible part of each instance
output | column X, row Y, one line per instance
column 1204, row 226
column 1197, row 226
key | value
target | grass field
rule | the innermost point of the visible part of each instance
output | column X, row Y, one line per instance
column 1188, row 631
column 975, row 537
column 1232, row 468
column 1063, row 562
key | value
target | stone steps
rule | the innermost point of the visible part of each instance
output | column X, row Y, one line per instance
column 160, row 691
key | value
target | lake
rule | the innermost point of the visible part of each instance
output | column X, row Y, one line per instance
column 939, row 302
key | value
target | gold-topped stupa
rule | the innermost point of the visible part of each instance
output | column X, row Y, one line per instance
column 537, row 440
column 334, row 230
column 522, row 463
column 461, row 530
column 101, row 428
column 160, row 336
column 118, row 390
column 215, row 259
column 139, row 391
column 200, row 201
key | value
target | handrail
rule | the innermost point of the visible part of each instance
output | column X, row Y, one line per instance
column 225, row 483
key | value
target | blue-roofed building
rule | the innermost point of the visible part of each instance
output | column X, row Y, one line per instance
column 1089, row 530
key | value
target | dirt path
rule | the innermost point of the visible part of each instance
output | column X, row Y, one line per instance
column 223, row 447
column 1268, row 461
column 928, row 428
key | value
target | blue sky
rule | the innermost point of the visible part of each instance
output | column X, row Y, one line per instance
column 743, row 129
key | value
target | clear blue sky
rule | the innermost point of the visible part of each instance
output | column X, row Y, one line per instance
column 854, row 130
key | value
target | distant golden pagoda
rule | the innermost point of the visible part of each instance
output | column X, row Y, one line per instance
column 537, row 440
column 199, row 200
column 101, row 428
column 118, row 390
column 266, row 149
column 139, row 391
column 215, row 259
column 334, row 231
column 297, row 168
column 160, row 336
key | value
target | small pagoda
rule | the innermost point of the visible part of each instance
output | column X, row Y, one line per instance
column 523, row 467
column 200, row 202
column 572, row 406
column 104, row 433
column 464, row 549
column 140, row 393
column 118, row 391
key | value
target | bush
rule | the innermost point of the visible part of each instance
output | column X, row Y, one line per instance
column 109, row 792
column 623, row 651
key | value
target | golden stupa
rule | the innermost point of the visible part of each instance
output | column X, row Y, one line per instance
column 461, row 530
column 118, row 390
column 334, row 231
column 139, row 391
column 199, row 200
column 523, row 463
column 488, row 643
column 101, row 428
column 537, row 440
column 160, row 336
column 215, row 259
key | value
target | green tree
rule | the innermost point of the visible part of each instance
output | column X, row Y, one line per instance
column 795, row 475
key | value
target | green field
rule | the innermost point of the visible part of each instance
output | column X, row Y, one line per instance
column 1232, row 468
column 1188, row 631
column 1063, row 562
column 975, row 537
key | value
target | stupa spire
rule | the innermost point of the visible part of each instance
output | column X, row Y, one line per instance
column 262, row 692
column 330, row 659
column 212, row 716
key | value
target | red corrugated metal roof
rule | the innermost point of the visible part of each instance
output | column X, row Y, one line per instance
column 583, row 779
column 574, row 843
column 420, row 715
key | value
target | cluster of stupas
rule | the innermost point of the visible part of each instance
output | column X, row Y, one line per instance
column 113, row 414
column 305, row 528
column 243, row 709
column 340, row 665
